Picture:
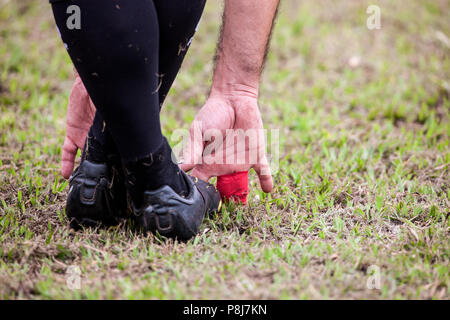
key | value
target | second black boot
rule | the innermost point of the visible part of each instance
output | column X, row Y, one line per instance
column 166, row 200
column 97, row 194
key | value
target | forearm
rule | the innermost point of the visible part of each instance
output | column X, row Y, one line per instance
column 242, row 46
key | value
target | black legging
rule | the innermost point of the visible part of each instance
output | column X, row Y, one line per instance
column 128, row 53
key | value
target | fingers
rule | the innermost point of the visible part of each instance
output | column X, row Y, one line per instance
column 192, row 154
column 91, row 112
column 185, row 167
column 200, row 174
column 69, row 153
column 265, row 177
column 80, row 115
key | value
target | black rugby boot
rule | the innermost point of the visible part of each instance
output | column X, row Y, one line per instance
column 164, row 199
column 97, row 194
column 165, row 212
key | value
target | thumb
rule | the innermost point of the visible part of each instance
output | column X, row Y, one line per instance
column 199, row 173
column 265, row 177
column 69, row 153
column 192, row 153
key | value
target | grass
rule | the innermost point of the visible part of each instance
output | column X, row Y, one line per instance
column 363, row 179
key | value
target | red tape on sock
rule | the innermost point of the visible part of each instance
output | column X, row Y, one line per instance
column 234, row 187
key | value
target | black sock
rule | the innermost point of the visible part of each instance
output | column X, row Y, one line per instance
column 153, row 172
column 94, row 151
column 100, row 145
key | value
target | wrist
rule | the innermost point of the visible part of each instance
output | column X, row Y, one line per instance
column 231, row 80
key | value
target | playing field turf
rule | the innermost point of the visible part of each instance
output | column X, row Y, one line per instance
column 361, row 201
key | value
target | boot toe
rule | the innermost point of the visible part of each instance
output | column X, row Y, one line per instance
column 165, row 212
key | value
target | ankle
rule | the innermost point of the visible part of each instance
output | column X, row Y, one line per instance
column 94, row 150
column 99, row 151
column 153, row 172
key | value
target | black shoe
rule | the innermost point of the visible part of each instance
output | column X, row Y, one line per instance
column 97, row 195
column 173, row 216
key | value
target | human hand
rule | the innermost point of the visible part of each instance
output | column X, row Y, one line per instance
column 240, row 113
column 80, row 115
